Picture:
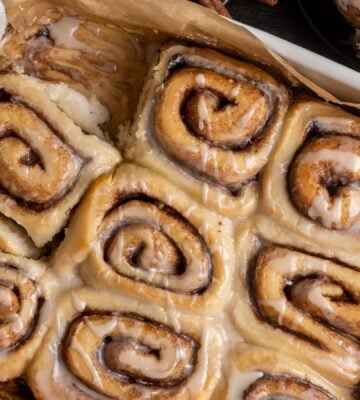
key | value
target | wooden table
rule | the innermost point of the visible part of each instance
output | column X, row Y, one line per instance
column 284, row 20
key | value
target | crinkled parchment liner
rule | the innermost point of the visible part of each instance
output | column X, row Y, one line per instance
column 162, row 20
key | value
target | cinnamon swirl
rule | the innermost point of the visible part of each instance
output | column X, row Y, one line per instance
column 208, row 123
column 311, row 182
column 23, row 321
column 136, row 233
column 302, row 304
column 257, row 373
column 46, row 164
column 115, row 347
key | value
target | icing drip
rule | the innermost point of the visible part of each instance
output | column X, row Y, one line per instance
column 204, row 118
column 316, row 297
column 63, row 33
column 329, row 214
column 239, row 382
column 89, row 362
column 279, row 305
column 342, row 160
column 200, row 80
column 198, row 378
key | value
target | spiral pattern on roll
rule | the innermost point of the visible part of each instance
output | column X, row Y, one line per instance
column 46, row 164
column 216, row 123
column 127, row 350
column 284, row 387
column 20, row 303
column 37, row 167
column 323, row 181
column 146, row 240
column 313, row 299
column 145, row 237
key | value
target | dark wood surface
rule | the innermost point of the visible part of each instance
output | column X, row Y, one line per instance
column 284, row 20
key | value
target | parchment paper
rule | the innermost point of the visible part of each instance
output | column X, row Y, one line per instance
column 145, row 22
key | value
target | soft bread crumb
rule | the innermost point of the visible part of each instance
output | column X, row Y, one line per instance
column 88, row 114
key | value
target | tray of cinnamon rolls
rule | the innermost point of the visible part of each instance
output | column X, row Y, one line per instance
column 179, row 211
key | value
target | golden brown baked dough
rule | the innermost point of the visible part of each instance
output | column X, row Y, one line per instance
column 208, row 123
column 55, row 44
column 310, row 183
column 257, row 373
column 121, row 348
column 46, row 164
column 136, row 233
column 298, row 303
column 147, row 297
column 23, row 316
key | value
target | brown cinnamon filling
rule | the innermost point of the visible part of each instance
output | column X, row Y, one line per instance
column 327, row 300
column 130, row 348
column 276, row 387
column 146, row 246
column 322, row 179
column 12, row 303
column 220, row 111
column 32, row 159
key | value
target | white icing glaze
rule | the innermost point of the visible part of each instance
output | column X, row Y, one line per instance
column 152, row 367
column 87, row 359
column 342, row 160
column 235, row 92
column 173, row 314
column 279, row 305
column 243, row 121
column 63, row 33
column 187, row 213
column 204, row 154
column 284, row 265
column 328, row 213
column 17, row 325
column 203, row 113
column 225, row 326
column 317, row 298
column 239, row 381
column 101, row 330
column 231, row 161
column 205, row 193
column 198, row 378
column 77, row 302
column 347, row 366
column 200, row 80
column 5, row 297
column 335, row 124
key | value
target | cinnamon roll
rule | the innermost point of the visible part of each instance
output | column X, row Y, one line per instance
column 46, row 165
column 302, row 304
column 257, row 373
column 101, row 61
column 23, row 321
column 208, row 123
column 311, row 182
column 135, row 232
column 112, row 347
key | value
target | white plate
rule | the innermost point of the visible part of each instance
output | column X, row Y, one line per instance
column 341, row 81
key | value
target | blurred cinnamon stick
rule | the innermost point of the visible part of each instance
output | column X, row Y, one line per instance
column 269, row 2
